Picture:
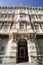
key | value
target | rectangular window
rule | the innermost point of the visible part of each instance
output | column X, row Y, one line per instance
column 28, row 25
column 0, row 25
column 42, row 27
column 23, row 26
column 22, row 16
column 37, row 28
column 1, row 10
column 4, row 11
column 2, row 49
column 38, row 17
column 2, row 15
column 33, row 17
column 35, row 11
column 15, row 25
column 9, row 16
column 11, row 11
column 22, row 10
column 6, row 26
column 7, row 23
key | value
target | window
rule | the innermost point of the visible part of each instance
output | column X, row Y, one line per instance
column 42, row 26
column 37, row 28
column 29, row 11
column 42, row 11
column 23, row 25
column 9, row 16
column 37, row 11
column 4, row 11
column 28, row 26
column 16, row 11
column 6, row 26
column 10, row 10
column 22, row 16
column 33, row 17
column 15, row 25
column 1, row 10
column 22, row 10
column 2, row 15
column 7, row 23
column 2, row 48
column 0, row 60
column 0, row 25
column 38, row 17
column 33, row 12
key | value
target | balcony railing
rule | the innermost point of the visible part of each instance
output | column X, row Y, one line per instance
column 23, row 11
column 25, row 31
column 37, row 19
column 24, row 19
column 5, row 19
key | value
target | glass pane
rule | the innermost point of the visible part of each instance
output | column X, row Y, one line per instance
column 6, row 28
column 37, row 28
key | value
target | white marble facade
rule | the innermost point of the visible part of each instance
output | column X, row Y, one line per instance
column 21, row 22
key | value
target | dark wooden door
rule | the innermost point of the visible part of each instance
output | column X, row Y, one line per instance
column 22, row 51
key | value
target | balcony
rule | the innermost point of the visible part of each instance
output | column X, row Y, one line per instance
column 8, row 19
column 38, row 18
column 25, row 31
column 4, row 11
column 13, row 30
column 24, row 19
column 23, row 11
column 5, row 19
column 38, row 29
column 5, row 30
column 10, row 11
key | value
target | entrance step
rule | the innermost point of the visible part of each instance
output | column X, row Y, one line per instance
column 27, row 63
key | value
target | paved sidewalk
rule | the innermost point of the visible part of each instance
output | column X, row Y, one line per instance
column 24, row 63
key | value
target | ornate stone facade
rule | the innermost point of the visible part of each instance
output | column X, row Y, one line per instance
column 21, row 34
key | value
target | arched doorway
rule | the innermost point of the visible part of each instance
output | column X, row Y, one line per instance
column 22, row 54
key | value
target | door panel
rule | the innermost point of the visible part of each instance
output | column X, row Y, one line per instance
column 22, row 52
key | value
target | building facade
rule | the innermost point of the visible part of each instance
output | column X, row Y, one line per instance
column 21, row 34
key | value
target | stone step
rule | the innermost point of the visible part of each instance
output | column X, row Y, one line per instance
column 27, row 63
